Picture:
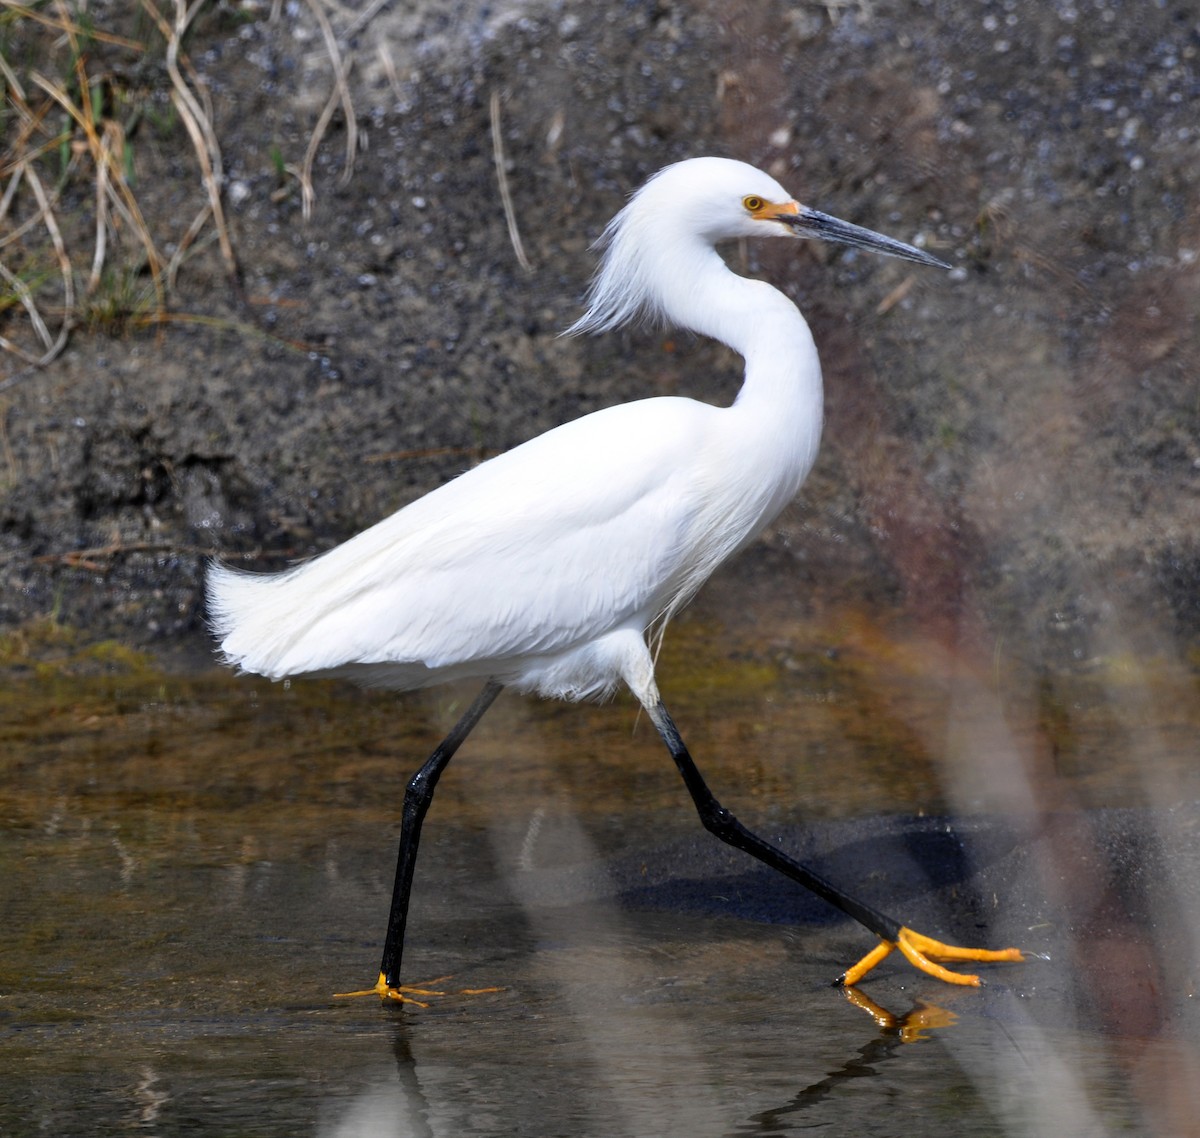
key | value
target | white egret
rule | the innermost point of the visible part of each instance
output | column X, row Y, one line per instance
column 547, row 568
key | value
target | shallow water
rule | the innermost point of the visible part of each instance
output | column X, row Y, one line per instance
column 194, row 863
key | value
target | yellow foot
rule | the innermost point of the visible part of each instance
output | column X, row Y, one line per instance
column 406, row 994
column 922, row 952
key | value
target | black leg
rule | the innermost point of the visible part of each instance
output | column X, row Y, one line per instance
column 719, row 821
column 921, row 951
column 417, row 797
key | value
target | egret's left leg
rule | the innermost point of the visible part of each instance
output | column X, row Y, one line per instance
column 921, row 951
column 417, row 797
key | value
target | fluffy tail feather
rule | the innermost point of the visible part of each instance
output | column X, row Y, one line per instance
column 247, row 613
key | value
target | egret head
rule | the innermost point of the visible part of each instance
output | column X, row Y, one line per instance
column 682, row 212
column 719, row 198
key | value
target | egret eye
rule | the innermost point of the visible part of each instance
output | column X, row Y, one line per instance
column 752, row 203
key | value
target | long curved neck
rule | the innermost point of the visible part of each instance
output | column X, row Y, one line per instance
column 772, row 433
column 758, row 322
column 657, row 269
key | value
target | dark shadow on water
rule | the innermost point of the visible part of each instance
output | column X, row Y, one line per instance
column 899, row 858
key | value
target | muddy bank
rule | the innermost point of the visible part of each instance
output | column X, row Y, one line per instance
column 1011, row 451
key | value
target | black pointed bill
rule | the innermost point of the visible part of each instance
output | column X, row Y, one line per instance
column 812, row 223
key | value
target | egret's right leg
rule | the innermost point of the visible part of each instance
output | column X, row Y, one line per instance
column 417, row 797
column 921, row 951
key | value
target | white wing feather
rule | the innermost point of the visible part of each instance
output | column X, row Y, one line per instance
column 592, row 526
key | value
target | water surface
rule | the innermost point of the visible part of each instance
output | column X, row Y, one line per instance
column 193, row 863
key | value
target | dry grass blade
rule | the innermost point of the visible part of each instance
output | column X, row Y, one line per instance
column 18, row 173
column 103, row 189
column 198, row 121
column 25, row 297
column 895, row 296
column 64, row 264
column 510, row 214
column 366, row 16
column 6, row 199
column 117, row 189
column 91, row 140
column 21, row 291
column 340, row 95
column 16, row 90
column 94, row 559
column 65, row 24
column 389, row 69
column 21, row 354
column 212, row 188
column 23, row 153
column 71, row 129
column 19, row 152
column 186, row 241
column 307, row 194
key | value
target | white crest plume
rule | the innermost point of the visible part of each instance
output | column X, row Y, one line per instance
column 664, row 236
